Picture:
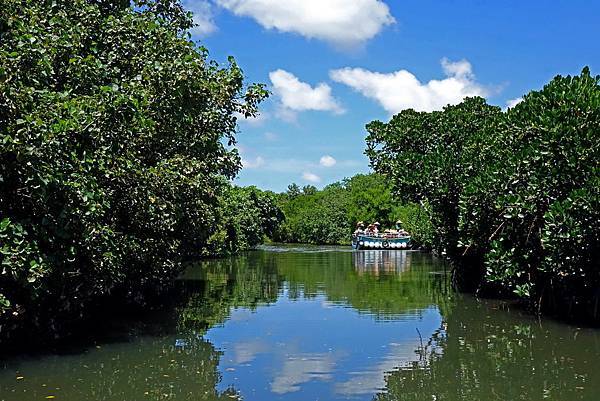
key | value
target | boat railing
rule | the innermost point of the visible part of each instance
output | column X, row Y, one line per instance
column 382, row 235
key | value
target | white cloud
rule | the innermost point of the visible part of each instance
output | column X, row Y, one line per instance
column 401, row 89
column 461, row 68
column 327, row 161
column 203, row 17
column 513, row 102
column 271, row 136
column 343, row 23
column 257, row 162
column 296, row 96
column 255, row 121
column 310, row 177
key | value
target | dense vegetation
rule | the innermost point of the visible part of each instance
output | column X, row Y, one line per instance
column 514, row 197
column 115, row 155
column 329, row 216
column 247, row 217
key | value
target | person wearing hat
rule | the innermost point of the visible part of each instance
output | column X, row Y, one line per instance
column 360, row 228
column 399, row 228
column 376, row 227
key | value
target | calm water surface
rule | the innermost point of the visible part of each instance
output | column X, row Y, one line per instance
column 320, row 324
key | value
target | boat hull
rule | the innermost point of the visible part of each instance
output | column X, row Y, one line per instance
column 369, row 242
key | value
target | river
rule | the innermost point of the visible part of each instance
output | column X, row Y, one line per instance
column 319, row 323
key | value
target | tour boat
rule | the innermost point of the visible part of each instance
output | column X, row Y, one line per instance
column 380, row 241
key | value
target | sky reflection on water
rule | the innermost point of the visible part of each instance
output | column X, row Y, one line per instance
column 319, row 323
column 315, row 344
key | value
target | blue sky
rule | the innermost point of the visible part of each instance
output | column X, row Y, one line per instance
column 335, row 65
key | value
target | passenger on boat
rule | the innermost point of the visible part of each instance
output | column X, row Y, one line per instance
column 399, row 230
column 360, row 228
column 376, row 227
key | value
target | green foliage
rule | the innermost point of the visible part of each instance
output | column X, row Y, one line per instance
column 314, row 217
column 513, row 195
column 550, row 203
column 248, row 215
column 113, row 156
column 416, row 219
column 329, row 216
column 370, row 199
column 431, row 156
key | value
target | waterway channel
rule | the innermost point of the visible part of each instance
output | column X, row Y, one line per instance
column 319, row 323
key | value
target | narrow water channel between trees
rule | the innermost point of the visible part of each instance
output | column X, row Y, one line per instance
column 314, row 323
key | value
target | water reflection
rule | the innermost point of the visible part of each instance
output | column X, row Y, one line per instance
column 340, row 323
column 302, row 368
column 372, row 378
column 323, row 324
column 246, row 351
column 381, row 261
column 146, row 368
column 489, row 352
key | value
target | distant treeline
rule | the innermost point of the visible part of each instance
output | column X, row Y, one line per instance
column 513, row 196
column 329, row 216
column 114, row 164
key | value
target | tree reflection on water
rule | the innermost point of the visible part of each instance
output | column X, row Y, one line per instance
column 381, row 262
column 487, row 352
column 323, row 323
column 385, row 284
column 147, row 368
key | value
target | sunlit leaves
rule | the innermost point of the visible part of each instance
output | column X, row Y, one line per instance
column 113, row 157
column 330, row 215
column 514, row 192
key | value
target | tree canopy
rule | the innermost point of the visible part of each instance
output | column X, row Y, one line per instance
column 514, row 196
column 115, row 151
column 330, row 215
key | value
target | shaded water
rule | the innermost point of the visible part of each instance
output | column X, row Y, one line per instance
column 320, row 324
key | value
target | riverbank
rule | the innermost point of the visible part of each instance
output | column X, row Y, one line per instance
column 513, row 196
column 107, row 188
